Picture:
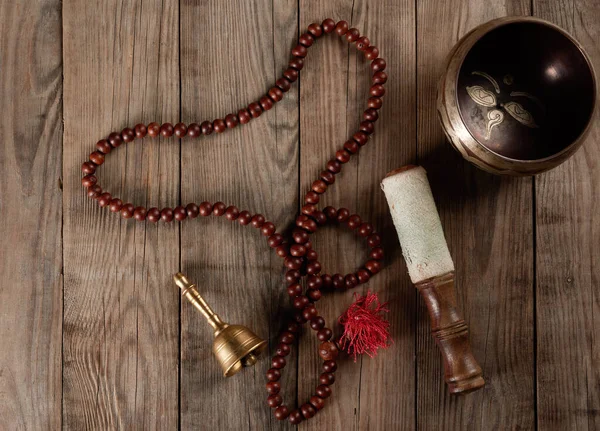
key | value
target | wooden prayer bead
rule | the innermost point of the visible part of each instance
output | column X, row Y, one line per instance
column 231, row 120
column 192, row 210
column 315, row 29
column 103, row 146
column 341, row 28
column 140, row 130
column 166, row 130
column 352, row 35
column 328, row 25
column 323, row 391
column 205, row 209
column 180, row 213
column 219, row 125
column 206, row 127
column 194, row 130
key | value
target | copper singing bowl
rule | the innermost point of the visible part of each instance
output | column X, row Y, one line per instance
column 517, row 96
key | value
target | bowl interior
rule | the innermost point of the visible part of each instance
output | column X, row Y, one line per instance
column 525, row 91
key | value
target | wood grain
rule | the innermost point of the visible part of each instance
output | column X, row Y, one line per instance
column 334, row 86
column 30, row 215
column 568, row 270
column 488, row 226
column 254, row 167
column 121, row 309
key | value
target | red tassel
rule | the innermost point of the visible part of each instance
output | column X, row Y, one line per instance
column 365, row 329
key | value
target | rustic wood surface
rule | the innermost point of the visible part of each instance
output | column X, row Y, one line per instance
column 94, row 335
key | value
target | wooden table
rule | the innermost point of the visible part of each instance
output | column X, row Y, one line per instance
column 94, row 334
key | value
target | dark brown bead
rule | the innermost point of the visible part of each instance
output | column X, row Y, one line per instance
column 329, row 211
column 294, row 290
column 282, row 250
column 371, row 115
column 351, row 281
column 371, row 53
column 378, row 65
column 300, row 302
column 180, row 130
column 219, row 209
column 258, row 220
column 319, row 186
column 310, row 225
column 376, row 253
column 313, row 268
column 283, row 84
column 328, row 25
column 317, row 402
column 338, row 282
column 374, row 240
column 308, row 411
column 192, row 210
column 115, row 205
column 308, row 209
column 311, row 254
column 89, row 181
column 327, row 282
column 299, row 318
column 205, row 209
column 363, row 43
column 274, row 400
column 354, row 221
column 219, row 125
column 232, row 213
column 139, row 213
column 314, row 282
column 231, row 120
column 314, row 294
column 300, row 237
column 255, row 109
column 166, row 130
column 268, row 229
column 334, row 166
column 278, row 362
column 297, row 250
column 206, row 127
column 341, row 28
column 352, row 35
column 296, row 63
column 292, row 276
column 128, row 134
column 342, row 156
column 88, row 167
column 287, row 337
column 365, row 230
column 379, row 77
column 94, row 192
column 273, row 374
column 329, row 366
column 180, row 213
column 293, row 262
column 274, row 240
column 315, row 29
column 324, row 334
column 327, row 379
column 166, row 215
column 309, row 312
column 323, row 391
column 266, row 103
column 276, row 94
column 299, row 51
column 311, row 198
column 103, row 146
column 342, row 215
column 295, row 417
column 281, row 413
column 244, row 116
column 374, row 102
column 328, row 177
column 153, row 130
column 283, row 349
column 194, row 130
column 373, row 266
column 115, row 139
column 97, row 158
column 273, row 387
column 153, row 215
column 351, row 146
column 140, row 130
column 244, row 218
column 377, row 90
column 363, row 275
column 317, row 323
column 367, row 127
column 127, row 211
column 291, row 74
column 306, row 39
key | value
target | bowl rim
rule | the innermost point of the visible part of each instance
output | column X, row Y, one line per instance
column 501, row 22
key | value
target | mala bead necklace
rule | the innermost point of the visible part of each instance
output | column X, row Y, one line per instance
column 299, row 257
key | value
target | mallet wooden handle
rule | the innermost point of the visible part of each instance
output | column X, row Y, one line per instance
column 461, row 371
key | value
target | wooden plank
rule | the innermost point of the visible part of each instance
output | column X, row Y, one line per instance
column 232, row 53
column 121, row 309
column 488, row 226
column 30, row 215
column 568, row 274
column 334, row 88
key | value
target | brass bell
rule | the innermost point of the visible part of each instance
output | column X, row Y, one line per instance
column 235, row 346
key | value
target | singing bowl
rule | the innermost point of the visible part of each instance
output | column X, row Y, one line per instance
column 517, row 96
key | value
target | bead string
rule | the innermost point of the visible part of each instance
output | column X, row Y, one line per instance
column 299, row 257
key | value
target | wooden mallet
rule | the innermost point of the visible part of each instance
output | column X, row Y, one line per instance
column 432, row 272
